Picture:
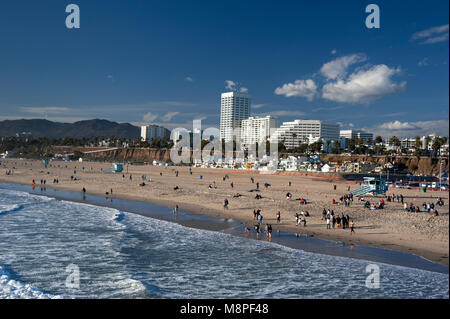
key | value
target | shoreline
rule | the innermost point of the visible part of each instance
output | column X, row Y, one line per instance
column 209, row 203
column 234, row 227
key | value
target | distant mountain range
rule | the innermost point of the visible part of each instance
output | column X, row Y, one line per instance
column 88, row 128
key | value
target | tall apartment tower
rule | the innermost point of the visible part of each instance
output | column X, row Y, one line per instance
column 234, row 107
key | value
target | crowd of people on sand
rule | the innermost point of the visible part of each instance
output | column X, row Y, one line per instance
column 334, row 220
column 257, row 227
column 426, row 208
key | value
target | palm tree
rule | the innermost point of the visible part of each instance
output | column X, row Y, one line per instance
column 418, row 143
column 396, row 142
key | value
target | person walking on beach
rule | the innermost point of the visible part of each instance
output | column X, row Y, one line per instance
column 269, row 231
column 278, row 217
column 352, row 225
column 328, row 222
column 225, row 204
column 260, row 218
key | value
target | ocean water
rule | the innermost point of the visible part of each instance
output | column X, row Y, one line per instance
column 44, row 242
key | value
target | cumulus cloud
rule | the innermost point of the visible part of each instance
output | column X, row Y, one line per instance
column 189, row 79
column 364, row 86
column 243, row 90
column 337, row 68
column 230, row 85
column 397, row 125
column 411, row 129
column 149, row 117
column 303, row 88
column 168, row 116
column 432, row 35
column 333, row 52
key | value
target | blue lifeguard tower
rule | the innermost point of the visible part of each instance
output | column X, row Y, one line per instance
column 45, row 162
column 117, row 168
column 372, row 185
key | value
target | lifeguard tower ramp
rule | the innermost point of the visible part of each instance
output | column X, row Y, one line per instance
column 117, row 168
column 371, row 185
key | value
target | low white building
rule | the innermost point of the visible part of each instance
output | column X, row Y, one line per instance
column 149, row 132
column 292, row 134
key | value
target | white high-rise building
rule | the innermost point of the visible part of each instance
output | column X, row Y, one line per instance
column 148, row 132
column 292, row 134
column 234, row 107
column 257, row 129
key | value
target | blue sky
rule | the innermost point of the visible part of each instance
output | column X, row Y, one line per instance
column 167, row 62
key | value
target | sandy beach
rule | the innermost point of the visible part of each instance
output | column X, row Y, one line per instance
column 391, row 228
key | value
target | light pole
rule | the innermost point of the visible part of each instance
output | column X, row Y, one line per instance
column 440, row 175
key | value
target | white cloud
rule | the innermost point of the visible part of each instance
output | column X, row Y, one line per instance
column 411, row 129
column 258, row 106
column 321, row 109
column 364, row 86
column 438, row 39
column 150, row 117
column 45, row 110
column 189, row 79
column 230, row 85
column 168, row 116
column 337, row 68
column 423, row 62
column 397, row 125
column 283, row 113
column 243, row 90
column 432, row 35
column 333, row 52
column 304, row 88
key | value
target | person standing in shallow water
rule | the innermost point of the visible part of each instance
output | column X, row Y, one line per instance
column 257, row 231
column 352, row 226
